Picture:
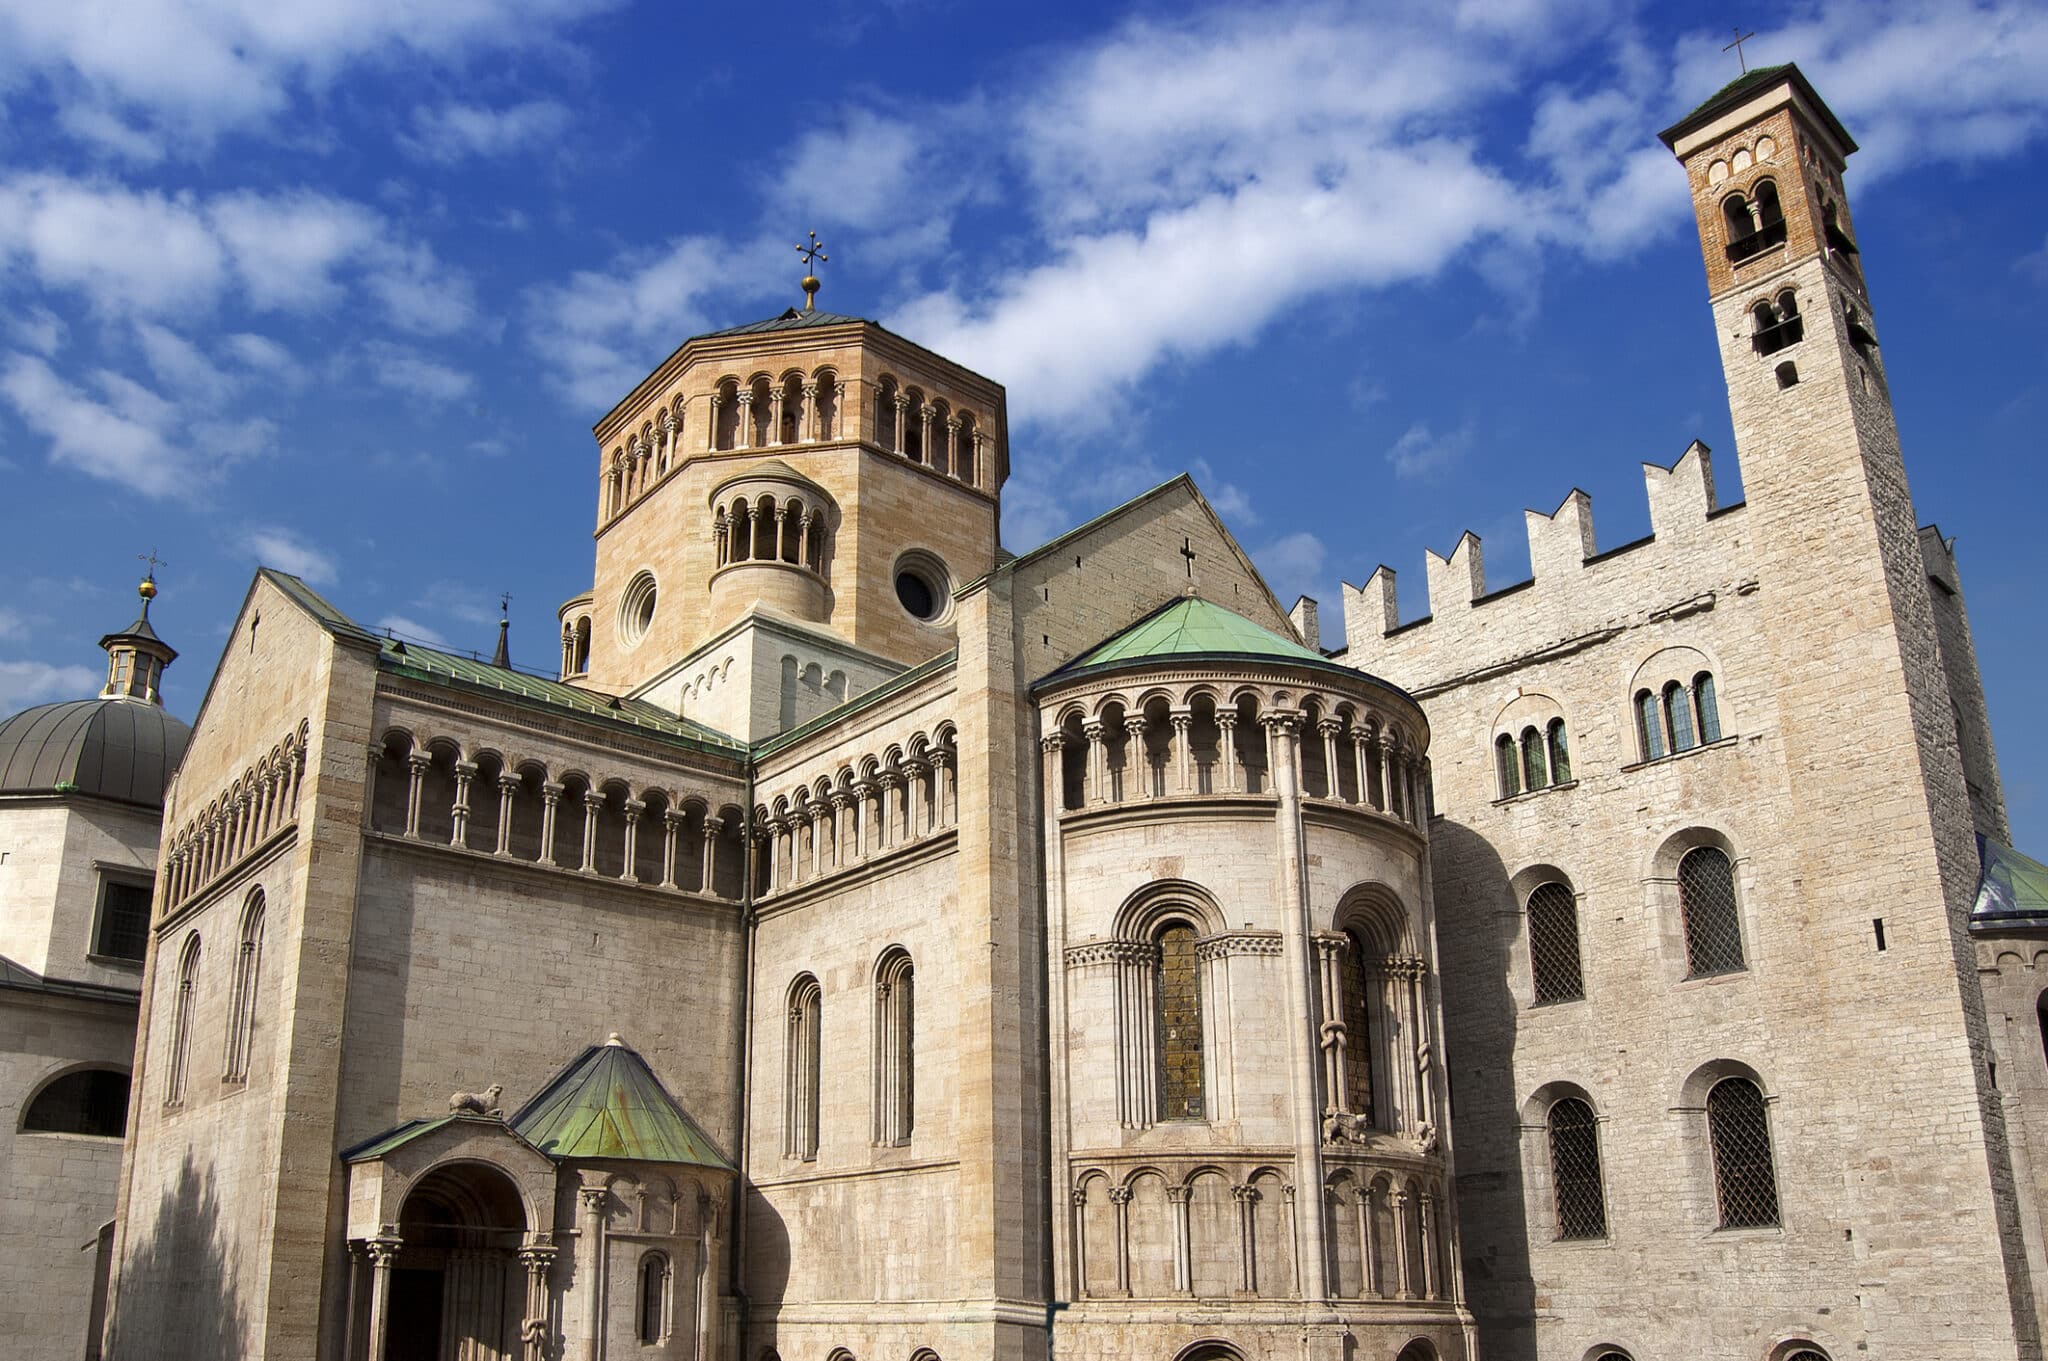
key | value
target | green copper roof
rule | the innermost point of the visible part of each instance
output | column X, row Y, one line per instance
column 398, row 1136
column 609, row 1104
column 1193, row 627
column 2012, row 889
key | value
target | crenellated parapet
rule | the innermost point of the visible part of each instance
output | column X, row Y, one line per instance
column 1695, row 546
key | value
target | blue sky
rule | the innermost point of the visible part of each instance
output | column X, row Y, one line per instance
column 341, row 287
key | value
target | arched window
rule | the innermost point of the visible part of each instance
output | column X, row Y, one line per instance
column 1678, row 717
column 582, row 645
column 1507, row 766
column 895, row 1049
column 242, row 994
column 1554, row 944
column 1180, row 1024
column 93, row 1102
column 1705, row 707
column 1768, row 212
column 1560, row 757
column 181, row 1020
column 800, row 1056
column 653, row 1311
column 1575, row 1170
column 1358, row 1036
column 1706, row 900
column 1418, row 1350
column 1534, row 776
column 1649, row 726
column 1745, row 1182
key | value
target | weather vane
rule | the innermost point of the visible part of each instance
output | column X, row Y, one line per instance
column 147, row 590
column 812, row 253
column 1736, row 47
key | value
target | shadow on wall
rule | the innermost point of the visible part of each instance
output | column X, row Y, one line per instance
column 177, row 1287
column 1477, row 927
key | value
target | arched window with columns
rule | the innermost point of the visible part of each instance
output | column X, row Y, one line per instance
column 182, row 1007
column 242, row 994
column 801, row 1069
column 895, row 1066
column 1371, row 999
column 1179, row 993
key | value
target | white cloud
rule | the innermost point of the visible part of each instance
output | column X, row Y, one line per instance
column 411, row 372
column 202, row 66
column 860, row 171
column 258, row 352
column 285, row 247
column 110, row 133
column 40, row 329
column 1291, row 564
column 103, row 439
column 455, row 132
column 26, row 683
column 126, row 250
column 275, row 546
column 412, row 628
column 1421, row 451
column 179, row 365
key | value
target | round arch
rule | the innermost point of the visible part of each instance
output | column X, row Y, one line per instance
column 1145, row 911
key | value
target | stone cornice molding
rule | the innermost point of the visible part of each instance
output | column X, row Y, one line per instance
column 1228, row 943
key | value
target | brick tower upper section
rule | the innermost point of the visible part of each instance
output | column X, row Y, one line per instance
column 812, row 469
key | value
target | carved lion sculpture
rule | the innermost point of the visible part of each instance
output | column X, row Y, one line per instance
column 1342, row 1128
column 484, row 1102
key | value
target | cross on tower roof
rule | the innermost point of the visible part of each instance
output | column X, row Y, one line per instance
column 1740, row 39
column 813, row 252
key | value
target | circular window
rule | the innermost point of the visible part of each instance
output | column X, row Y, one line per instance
column 922, row 588
column 636, row 608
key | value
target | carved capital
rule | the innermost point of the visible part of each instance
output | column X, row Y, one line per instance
column 382, row 1251
column 1119, row 1195
column 510, row 783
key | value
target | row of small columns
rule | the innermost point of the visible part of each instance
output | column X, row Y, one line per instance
column 951, row 425
column 722, row 530
column 1382, row 768
column 509, row 785
column 242, row 826
column 381, row 1253
column 812, row 841
column 1400, row 996
column 1248, row 1197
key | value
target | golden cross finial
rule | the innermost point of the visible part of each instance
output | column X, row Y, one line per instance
column 812, row 253
column 147, row 590
column 1736, row 47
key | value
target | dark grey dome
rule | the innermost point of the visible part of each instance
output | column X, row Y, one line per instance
column 113, row 748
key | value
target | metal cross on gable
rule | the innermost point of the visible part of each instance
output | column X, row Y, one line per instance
column 1736, row 47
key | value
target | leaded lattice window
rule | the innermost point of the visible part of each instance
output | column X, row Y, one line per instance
column 1575, row 1170
column 1745, row 1182
column 1649, row 726
column 1560, row 756
column 1506, row 766
column 1709, row 711
column 1180, row 1025
column 1358, row 1035
column 1554, row 944
column 1807, row 1354
column 1706, row 900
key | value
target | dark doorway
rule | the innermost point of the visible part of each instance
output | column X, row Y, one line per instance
column 457, row 1289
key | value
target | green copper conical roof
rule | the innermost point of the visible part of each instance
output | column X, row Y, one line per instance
column 1191, row 627
column 609, row 1104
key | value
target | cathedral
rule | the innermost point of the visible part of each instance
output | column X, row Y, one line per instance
column 872, row 944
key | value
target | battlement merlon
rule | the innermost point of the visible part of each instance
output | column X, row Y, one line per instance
column 1680, row 557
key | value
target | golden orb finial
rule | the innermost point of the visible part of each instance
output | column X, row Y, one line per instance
column 147, row 590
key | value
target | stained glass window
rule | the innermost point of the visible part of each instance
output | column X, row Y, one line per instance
column 1180, row 1025
column 1358, row 1036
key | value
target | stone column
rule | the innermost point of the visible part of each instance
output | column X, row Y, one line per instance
column 775, row 397
column 1404, row 1274
column 671, row 826
column 1077, row 1284
column 1369, row 1282
column 1332, row 786
column 1292, row 899
column 669, row 428
column 1389, row 799
column 924, row 430
column 1226, row 743
column 845, row 829
column 1181, row 745
column 630, row 870
column 1137, row 761
column 1120, row 1198
column 810, row 433
column 1247, row 1197
column 375, row 752
column 771, row 837
column 709, row 870
column 953, row 447
column 863, row 820
column 945, row 789
column 508, row 789
column 743, row 438
column 533, row 1323
column 591, row 1269
column 902, row 419
column 550, row 801
column 885, row 819
column 1183, row 1276
column 1356, row 738
column 804, row 556
column 592, row 801
column 383, row 1251
column 1331, row 1033
column 419, row 762
column 1426, row 1206
column 711, row 423
column 1097, row 791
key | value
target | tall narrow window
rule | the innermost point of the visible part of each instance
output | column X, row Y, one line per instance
column 1706, row 900
column 181, row 1020
column 800, row 1057
column 1507, row 765
column 1554, row 944
column 1180, row 1025
column 1575, row 1170
column 1704, row 704
column 1649, row 726
column 653, row 1297
column 1358, row 1030
column 1678, row 714
column 242, row 995
column 895, row 1049
column 1745, row 1182
column 1560, row 756
column 1533, row 774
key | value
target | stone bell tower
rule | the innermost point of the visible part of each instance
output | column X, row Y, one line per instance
column 785, row 509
